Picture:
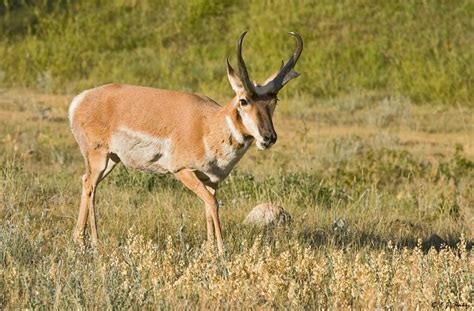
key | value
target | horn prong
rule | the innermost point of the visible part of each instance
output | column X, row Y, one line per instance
column 243, row 72
column 286, row 71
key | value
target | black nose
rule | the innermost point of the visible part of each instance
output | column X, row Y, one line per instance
column 270, row 138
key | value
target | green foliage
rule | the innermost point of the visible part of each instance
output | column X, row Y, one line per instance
column 422, row 50
column 124, row 178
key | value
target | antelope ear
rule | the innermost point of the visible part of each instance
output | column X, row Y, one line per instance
column 234, row 80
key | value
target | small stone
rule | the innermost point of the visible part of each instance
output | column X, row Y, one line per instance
column 340, row 225
column 267, row 214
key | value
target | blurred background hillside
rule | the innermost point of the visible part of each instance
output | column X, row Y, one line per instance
column 422, row 50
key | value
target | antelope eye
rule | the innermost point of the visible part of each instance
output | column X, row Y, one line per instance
column 243, row 102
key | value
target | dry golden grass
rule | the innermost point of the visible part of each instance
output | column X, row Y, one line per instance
column 140, row 273
column 390, row 172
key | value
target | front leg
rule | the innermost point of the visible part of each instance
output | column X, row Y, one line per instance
column 207, row 194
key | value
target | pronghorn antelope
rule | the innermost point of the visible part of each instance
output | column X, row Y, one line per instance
column 161, row 131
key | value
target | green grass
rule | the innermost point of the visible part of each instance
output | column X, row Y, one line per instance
column 421, row 50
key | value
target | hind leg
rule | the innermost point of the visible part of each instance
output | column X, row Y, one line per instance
column 98, row 165
column 111, row 163
column 82, row 218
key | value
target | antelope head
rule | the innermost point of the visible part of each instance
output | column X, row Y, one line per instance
column 255, row 103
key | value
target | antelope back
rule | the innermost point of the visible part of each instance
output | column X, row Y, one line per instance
column 113, row 118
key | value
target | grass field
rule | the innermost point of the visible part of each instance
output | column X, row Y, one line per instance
column 393, row 173
column 374, row 161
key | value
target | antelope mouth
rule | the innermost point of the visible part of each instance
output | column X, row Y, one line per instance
column 264, row 145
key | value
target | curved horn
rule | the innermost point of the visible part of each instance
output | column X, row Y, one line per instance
column 286, row 72
column 244, row 75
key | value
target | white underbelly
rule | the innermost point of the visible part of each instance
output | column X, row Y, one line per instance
column 142, row 151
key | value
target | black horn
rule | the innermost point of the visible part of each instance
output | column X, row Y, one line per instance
column 243, row 72
column 286, row 72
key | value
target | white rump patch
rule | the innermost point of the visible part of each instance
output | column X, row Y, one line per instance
column 75, row 103
column 233, row 130
column 142, row 151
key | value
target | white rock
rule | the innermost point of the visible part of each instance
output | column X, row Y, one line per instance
column 267, row 214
